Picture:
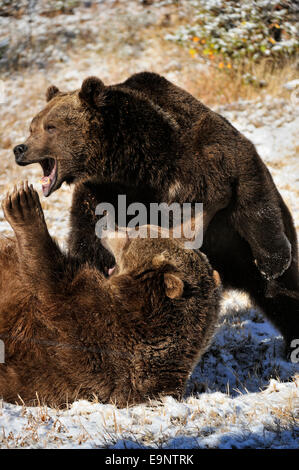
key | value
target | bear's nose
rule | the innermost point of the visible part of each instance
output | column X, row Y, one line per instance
column 19, row 152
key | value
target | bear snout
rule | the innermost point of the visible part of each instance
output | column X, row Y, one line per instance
column 19, row 152
column 115, row 240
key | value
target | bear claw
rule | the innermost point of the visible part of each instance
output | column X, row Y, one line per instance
column 275, row 264
column 22, row 207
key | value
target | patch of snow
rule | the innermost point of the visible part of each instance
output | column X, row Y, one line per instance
column 292, row 85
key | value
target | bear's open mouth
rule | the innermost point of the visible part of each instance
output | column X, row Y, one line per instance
column 49, row 166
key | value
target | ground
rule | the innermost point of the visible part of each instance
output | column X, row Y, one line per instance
column 242, row 394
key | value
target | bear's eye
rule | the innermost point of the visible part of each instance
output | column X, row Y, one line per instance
column 50, row 128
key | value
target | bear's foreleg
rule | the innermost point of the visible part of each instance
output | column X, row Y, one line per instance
column 83, row 242
column 231, row 255
column 258, row 218
column 40, row 262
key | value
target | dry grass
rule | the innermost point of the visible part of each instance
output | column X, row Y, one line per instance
column 215, row 86
column 195, row 420
column 222, row 87
column 206, row 80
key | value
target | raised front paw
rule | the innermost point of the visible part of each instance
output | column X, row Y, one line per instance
column 22, row 207
column 276, row 261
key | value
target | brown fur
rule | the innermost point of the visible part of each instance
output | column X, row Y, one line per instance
column 71, row 333
column 153, row 141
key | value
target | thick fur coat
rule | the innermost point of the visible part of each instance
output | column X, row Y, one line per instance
column 155, row 142
column 70, row 332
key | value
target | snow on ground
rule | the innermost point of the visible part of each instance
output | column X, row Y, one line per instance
column 242, row 394
column 215, row 420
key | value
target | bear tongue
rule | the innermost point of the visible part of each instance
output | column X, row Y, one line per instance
column 48, row 181
column 111, row 271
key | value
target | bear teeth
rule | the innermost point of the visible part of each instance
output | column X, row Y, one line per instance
column 50, row 175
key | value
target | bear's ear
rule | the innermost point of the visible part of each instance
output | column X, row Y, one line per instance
column 90, row 90
column 159, row 260
column 51, row 92
column 174, row 286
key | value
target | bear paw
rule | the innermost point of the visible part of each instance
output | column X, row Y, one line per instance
column 22, row 208
column 273, row 264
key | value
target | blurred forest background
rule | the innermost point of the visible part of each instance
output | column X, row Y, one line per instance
column 220, row 50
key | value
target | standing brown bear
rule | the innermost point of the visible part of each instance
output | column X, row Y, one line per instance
column 154, row 141
column 70, row 333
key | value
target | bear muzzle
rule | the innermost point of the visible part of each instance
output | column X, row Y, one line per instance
column 20, row 154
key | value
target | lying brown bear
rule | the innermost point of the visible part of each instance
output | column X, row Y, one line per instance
column 155, row 142
column 71, row 333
